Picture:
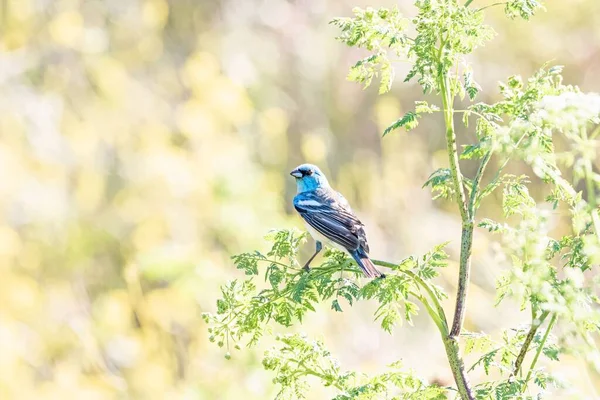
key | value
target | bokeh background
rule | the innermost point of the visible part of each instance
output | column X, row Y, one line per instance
column 143, row 142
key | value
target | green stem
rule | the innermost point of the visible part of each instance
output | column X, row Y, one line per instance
column 591, row 186
column 595, row 132
column 457, row 365
column 434, row 298
column 540, row 348
column 450, row 341
column 470, row 112
column 535, row 324
column 452, row 148
column 589, row 176
column 467, row 220
column 270, row 261
column 468, row 2
column 477, row 182
column 438, row 316
column 310, row 371
column 442, row 327
column 441, row 315
column 491, row 5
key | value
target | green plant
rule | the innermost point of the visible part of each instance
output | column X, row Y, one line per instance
column 544, row 273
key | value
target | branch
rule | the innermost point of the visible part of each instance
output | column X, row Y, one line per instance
column 492, row 5
column 323, row 377
column 457, row 364
column 535, row 324
column 589, row 174
column 477, row 181
column 590, row 185
column 467, row 220
column 450, row 341
column 540, row 348
column 441, row 315
column 452, row 148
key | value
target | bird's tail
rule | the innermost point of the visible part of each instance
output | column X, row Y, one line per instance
column 365, row 263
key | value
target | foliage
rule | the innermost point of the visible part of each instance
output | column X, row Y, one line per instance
column 145, row 141
column 299, row 358
column 244, row 310
column 543, row 273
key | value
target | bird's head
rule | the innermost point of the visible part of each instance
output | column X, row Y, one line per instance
column 309, row 177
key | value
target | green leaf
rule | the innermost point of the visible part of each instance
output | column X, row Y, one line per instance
column 380, row 32
column 491, row 226
column 248, row 262
column 473, row 152
column 387, row 76
column 389, row 318
column 423, row 107
column 471, row 87
column 408, row 121
column 516, row 197
column 476, row 342
column 335, row 305
column 523, row 8
column 441, row 184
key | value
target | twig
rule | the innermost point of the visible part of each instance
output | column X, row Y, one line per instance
column 535, row 324
column 540, row 348
column 440, row 311
column 589, row 174
column 457, row 365
column 477, row 181
column 491, row 5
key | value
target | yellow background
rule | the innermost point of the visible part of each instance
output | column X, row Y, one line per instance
column 143, row 142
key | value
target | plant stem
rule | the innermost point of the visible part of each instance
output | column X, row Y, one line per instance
column 491, row 5
column 323, row 377
column 595, row 132
column 476, row 182
column 590, row 184
column 535, row 324
column 450, row 341
column 468, row 2
column 457, row 365
column 451, row 146
column 540, row 348
column 442, row 327
column 466, row 242
column 589, row 175
column 441, row 315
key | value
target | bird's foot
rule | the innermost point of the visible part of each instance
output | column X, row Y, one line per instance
column 306, row 268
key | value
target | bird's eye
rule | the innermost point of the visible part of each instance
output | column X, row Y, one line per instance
column 309, row 172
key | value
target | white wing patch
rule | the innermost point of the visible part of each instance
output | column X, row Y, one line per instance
column 309, row 203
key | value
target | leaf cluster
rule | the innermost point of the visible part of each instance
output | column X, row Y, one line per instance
column 298, row 358
column 246, row 310
column 444, row 32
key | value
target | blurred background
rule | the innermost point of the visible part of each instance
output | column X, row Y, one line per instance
column 144, row 142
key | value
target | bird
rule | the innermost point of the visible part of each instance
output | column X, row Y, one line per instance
column 330, row 219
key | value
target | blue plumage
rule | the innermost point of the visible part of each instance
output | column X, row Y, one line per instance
column 330, row 218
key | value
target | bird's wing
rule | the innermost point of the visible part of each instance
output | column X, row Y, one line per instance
column 334, row 219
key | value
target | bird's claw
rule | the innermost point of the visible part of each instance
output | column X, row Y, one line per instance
column 306, row 268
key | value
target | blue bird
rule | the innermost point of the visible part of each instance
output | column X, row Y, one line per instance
column 329, row 218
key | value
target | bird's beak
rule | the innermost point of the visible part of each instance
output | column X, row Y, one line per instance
column 296, row 174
